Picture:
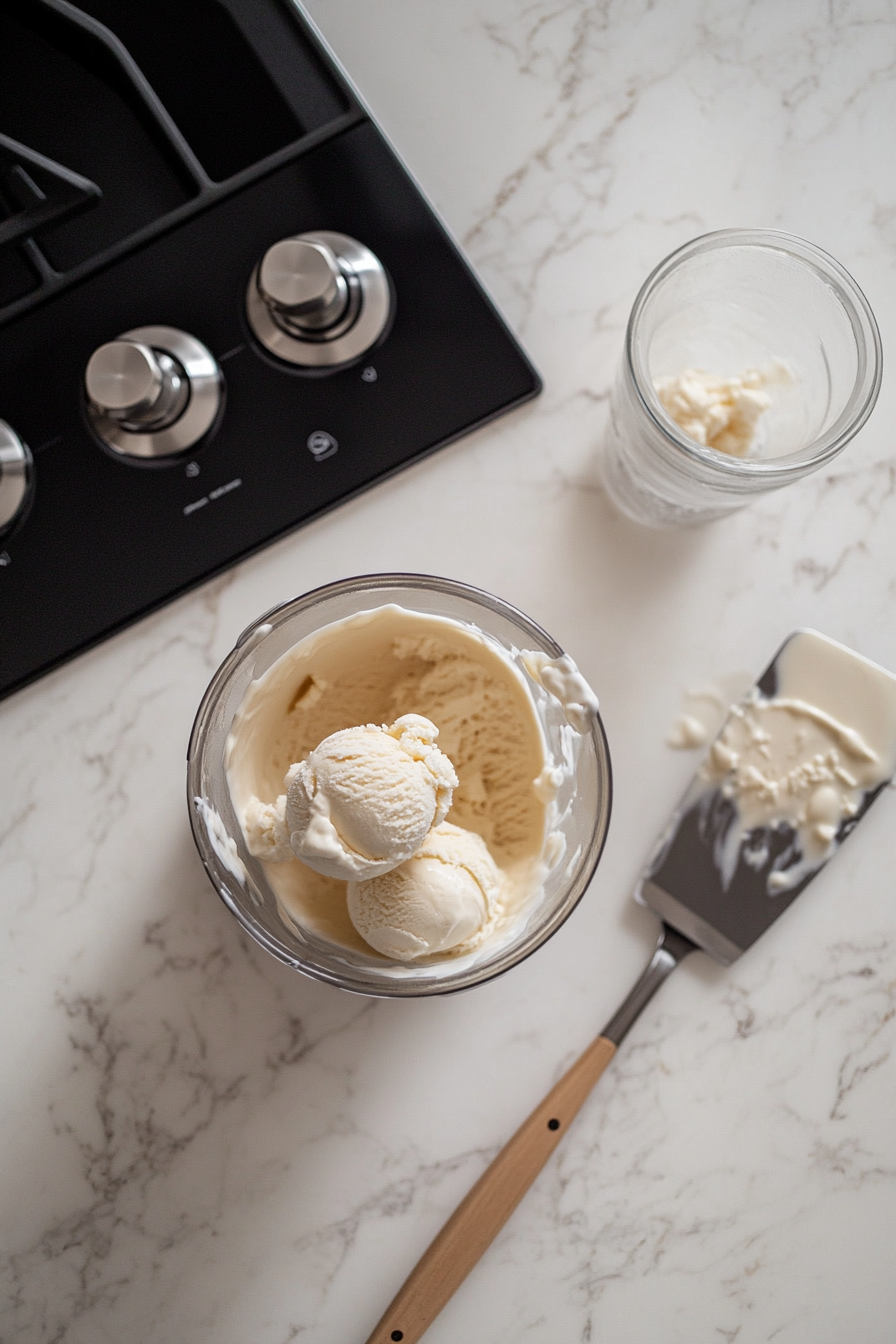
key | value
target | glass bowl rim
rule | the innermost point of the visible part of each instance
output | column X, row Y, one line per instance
column 260, row 628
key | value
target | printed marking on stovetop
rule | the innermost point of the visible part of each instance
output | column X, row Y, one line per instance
column 5, row 559
column 229, row 354
column 50, row 443
column 321, row 445
column 212, row 495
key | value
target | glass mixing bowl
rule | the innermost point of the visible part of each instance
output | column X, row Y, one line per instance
column 583, row 805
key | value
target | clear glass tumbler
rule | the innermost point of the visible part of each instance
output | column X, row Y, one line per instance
column 724, row 303
column 583, row 803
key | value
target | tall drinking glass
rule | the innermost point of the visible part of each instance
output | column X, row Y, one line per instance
column 727, row 302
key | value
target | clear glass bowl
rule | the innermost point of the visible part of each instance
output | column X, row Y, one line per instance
column 726, row 302
column 583, row 805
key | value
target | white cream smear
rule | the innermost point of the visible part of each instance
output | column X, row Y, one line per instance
column 562, row 679
column 224, row 845
column 718, row 412
column 806, row 757
column 703, row 710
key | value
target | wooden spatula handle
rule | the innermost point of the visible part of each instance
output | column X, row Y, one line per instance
column 479, row 1218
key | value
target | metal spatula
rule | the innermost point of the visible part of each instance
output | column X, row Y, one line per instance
column 717, row 883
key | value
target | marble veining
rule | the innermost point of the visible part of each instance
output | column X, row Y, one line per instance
column 200, row 1145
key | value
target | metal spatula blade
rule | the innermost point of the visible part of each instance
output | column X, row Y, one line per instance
column 755, row 827
column 723, row 907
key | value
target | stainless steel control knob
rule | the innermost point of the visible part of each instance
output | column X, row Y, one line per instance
column 319, row 300
column 302, row 283
column 139, row 387
column 15, row 475
column 152, row 392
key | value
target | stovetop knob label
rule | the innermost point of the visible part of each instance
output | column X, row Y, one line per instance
column 321, row 445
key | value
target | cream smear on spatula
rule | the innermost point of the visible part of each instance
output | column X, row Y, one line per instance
column 807, row 757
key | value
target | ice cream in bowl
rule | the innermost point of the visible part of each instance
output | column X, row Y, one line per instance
column 399, row 784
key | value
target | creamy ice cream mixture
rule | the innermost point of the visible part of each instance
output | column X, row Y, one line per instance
column 391, row 773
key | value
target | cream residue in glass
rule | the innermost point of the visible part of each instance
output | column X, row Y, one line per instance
column 722, row 413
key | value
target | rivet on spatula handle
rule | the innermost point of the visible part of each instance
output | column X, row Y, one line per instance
column 479, row 1218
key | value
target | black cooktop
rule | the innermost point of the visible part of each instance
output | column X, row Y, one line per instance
column 153, row 159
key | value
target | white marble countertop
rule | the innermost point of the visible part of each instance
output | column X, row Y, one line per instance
column 199, row 1144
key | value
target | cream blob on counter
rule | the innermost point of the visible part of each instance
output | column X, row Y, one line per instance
column 703, row 710
column 809, row 757
column 381, row 667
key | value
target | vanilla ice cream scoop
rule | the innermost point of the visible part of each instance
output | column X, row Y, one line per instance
column 442, row 897
column 365, row 799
